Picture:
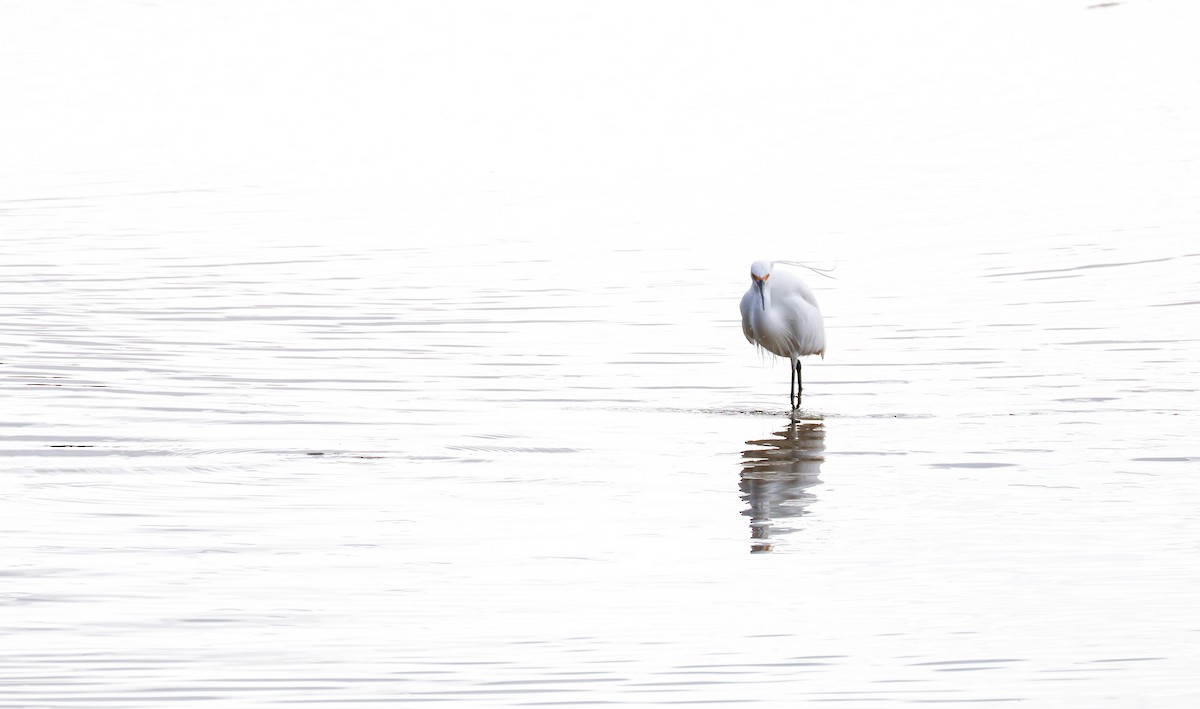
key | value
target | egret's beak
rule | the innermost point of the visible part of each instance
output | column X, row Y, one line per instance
column 762, row 297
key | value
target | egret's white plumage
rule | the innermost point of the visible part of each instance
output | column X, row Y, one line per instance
column 780, row 314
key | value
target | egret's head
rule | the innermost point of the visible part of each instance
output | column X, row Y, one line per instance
column 760, row 272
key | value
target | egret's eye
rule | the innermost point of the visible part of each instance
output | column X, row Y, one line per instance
column 766, row 276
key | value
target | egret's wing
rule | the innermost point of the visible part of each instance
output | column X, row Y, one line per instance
column 802, row 290
column 808, row 295
column 747, row 302
column 790, row 283
column 805, row 326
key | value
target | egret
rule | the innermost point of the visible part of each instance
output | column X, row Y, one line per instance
column 780, row 314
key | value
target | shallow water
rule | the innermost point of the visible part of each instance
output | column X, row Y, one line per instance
column 391, row 356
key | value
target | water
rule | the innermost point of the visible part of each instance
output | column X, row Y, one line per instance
column 390, row 355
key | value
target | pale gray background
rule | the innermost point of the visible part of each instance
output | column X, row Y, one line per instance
column 486, row 258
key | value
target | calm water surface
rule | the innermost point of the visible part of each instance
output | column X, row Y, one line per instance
column 385, row 356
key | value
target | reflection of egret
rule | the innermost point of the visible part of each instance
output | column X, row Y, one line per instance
column 776, row 475
column 780, row 315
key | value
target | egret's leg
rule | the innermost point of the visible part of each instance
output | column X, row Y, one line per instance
column 799, row 381
column 792, row 388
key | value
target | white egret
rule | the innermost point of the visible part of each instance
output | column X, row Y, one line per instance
column 780, row 314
